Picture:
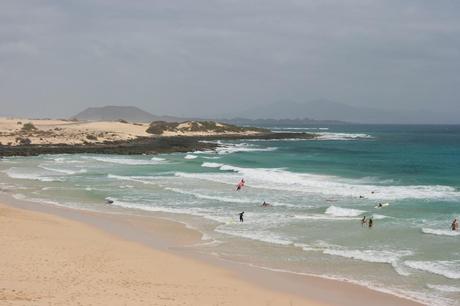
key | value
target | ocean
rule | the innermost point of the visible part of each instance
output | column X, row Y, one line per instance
column 319, row 190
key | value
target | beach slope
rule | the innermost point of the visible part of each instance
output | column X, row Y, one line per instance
column 47, row 260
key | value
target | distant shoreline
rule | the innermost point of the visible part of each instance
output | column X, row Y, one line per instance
column 142, row 145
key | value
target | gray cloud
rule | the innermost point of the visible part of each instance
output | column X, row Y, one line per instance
column 210, row 57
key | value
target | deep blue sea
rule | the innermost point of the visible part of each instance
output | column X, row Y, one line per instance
column 319, row 191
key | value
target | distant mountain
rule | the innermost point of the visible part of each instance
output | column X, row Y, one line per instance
column 128, row 113
column 329, row 110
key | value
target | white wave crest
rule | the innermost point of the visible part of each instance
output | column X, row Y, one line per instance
column 210, row 197
column 140, row 179
column 65, row 171
column 281, row 179
column 241, row 147
column 343, row 212
column 440, row 232
column 127, row 161
column 449, row 269
column 190, row 156
column 323, row 217
column 18, row 173
column 342, row 136
column 263, row 236
column 211, row 165
column 373, row 256
column 444, row 288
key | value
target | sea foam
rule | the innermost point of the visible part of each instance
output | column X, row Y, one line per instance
column 282, row 179
column 128, row 161
column 449, row 269
column 440, row 232
column 343, row 212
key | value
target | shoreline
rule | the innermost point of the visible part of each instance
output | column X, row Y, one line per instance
column 142, row 145
column 162, row 235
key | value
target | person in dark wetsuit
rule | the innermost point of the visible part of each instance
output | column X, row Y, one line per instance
column 371, row 222
column 241, row 216
column 454, row 225
column 363, row 221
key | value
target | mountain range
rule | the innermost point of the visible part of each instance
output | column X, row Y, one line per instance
column 321, row 110
column 283, row 113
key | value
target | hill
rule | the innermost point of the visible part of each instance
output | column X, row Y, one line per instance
column 200, row 128
column 115, row 113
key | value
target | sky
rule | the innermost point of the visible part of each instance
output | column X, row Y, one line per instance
column 214, row 58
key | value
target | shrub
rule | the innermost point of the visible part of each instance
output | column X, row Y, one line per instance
column 23, row 141
column 28, row 127
column 158, row 127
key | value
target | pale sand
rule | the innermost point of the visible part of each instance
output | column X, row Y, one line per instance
column 117, row 259
column 47, row 260
column 50, row 131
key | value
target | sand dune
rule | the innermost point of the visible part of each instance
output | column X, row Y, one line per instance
column 68, row 132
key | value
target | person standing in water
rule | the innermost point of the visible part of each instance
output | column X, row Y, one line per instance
column 363, row 221
column 454, row 225
column 240, row 185
column 241, row 216
column 371, row 222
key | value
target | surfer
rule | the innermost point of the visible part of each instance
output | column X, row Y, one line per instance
column 240, row 185
column 265, row 204
column 241, row 216
column 108, row 201
column 371, row 222
column 363, row 221
column 454, row 225
column 361, row 197
column 380, row 205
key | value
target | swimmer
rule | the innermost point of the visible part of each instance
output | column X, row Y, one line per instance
column 265, row 204
column 371, row 222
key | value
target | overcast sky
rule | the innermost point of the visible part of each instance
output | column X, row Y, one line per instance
column 198, row 57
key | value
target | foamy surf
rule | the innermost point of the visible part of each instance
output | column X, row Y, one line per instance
column 62, row 170
column 281, row 179
column 374, row 256
column 440, row 232
column 23, row 174
column 444, row 288
column 446, row 268
column 229, row 148
column 127, row 161
column 342, row 136
column 343, row 212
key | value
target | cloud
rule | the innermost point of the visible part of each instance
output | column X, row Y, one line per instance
column 209, row 57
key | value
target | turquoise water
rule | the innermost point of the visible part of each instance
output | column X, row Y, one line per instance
column 314, row 186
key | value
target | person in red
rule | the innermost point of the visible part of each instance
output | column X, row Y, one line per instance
column 240, row 185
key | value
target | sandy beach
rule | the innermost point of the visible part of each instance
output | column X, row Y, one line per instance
column 55, row 259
